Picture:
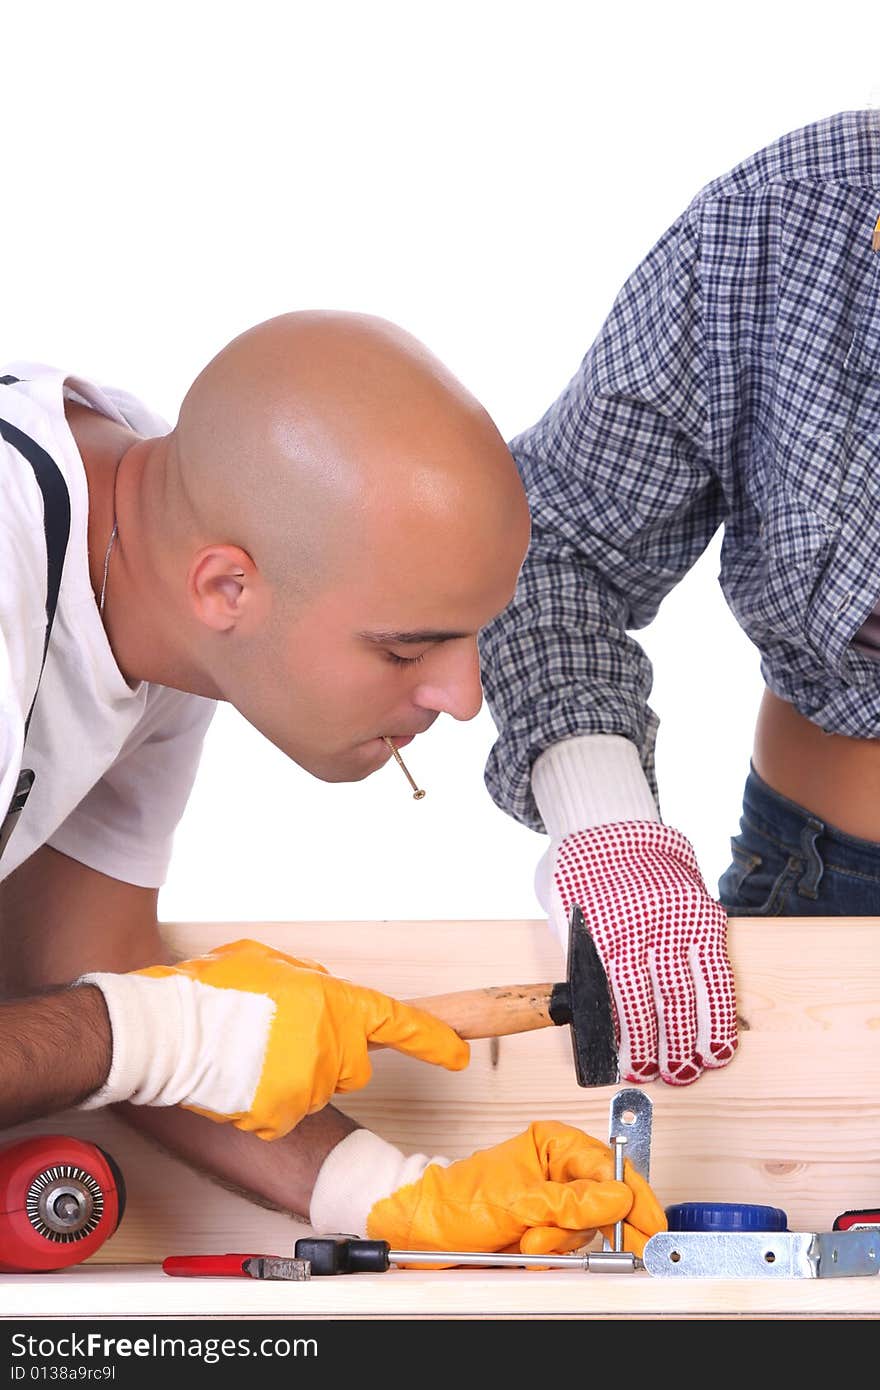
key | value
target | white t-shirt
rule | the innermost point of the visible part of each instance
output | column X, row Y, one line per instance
column 114, row 765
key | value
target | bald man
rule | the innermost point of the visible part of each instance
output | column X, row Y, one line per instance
column 317, row 541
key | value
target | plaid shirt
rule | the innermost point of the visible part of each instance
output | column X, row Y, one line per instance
column 735, row 384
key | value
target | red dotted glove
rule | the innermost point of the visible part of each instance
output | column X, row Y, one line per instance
column 662, row 940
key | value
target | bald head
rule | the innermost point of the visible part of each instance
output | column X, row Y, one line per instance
column 320, row 538
column 316, row 435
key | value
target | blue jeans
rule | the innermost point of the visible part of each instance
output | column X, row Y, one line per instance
column 787, row 862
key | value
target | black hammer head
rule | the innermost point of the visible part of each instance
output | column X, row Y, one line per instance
column 584, row 1001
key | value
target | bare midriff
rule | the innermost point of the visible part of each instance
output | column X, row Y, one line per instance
column 834, row 776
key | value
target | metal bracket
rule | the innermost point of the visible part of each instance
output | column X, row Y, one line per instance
column 762, row 1254
column 629, row 1134
column 631, row 1117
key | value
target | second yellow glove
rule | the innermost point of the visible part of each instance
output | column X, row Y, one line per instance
column 547, row 1190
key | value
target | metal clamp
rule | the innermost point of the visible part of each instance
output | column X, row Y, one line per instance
column 762, row 1254
column 629, row 1134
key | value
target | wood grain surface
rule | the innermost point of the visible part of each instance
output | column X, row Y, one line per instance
column 793, row 1121
column 119, row 1291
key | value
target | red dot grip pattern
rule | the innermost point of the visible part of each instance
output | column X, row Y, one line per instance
column 663, row 941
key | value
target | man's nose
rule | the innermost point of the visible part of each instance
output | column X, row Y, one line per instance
column 454, row 686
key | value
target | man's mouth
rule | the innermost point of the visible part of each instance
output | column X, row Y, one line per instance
column 399, row 740
column 388, row 740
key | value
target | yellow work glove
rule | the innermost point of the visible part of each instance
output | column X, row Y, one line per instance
column 249, row 1035
column 546, row 1191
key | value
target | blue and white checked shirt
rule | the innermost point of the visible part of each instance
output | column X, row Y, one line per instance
column 735, row 384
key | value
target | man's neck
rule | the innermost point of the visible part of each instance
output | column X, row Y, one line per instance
column 138, row 619
column 102, row 443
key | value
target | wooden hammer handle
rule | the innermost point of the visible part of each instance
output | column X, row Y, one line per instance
column 491, row 1012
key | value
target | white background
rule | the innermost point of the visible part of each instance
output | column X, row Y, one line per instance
column 486, row 174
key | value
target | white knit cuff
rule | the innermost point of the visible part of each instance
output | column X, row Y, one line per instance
column 176, row 1041
column 591, row 780
column 136, row 1039
column 358, row 1173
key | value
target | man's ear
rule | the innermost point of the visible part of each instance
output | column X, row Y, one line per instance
column 225, row 588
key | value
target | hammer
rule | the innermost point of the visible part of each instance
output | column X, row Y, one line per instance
column 582, row 1000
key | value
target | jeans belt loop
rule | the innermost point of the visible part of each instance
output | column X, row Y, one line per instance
column 808, row 884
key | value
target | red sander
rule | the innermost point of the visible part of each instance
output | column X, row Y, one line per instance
column 60, row 1199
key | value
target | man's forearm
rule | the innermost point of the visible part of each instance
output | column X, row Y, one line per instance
column 56, row 1050
column 279, row 1173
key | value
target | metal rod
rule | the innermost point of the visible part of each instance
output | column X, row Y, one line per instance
column 619, row 1262
column 619, row 1146
column 418, row 793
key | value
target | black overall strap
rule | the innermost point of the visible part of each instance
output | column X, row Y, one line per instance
column 56, row 525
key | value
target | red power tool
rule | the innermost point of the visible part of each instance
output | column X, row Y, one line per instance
column 60, row 1199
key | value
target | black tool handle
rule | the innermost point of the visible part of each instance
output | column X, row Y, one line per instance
column 343, row 1254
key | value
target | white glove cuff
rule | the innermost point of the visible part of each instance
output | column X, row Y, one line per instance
column 591, row 780
column 176, row 1041
column 146, row 1027
column 357, row 1174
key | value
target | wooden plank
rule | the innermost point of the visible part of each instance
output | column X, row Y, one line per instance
column 793, row 1121
column 119, row 1291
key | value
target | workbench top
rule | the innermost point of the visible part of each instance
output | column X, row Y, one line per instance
column 792, row 1122
column 144, row 1291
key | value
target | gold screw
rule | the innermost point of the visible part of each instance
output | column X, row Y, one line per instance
column 417, row 792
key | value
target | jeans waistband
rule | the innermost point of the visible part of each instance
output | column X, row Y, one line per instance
column 786, row 820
